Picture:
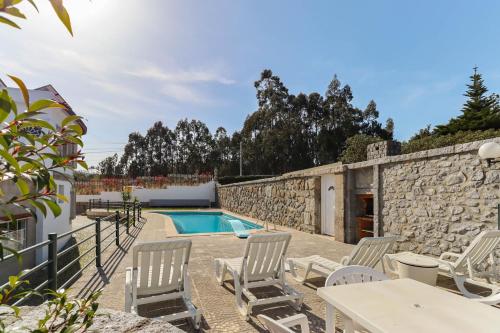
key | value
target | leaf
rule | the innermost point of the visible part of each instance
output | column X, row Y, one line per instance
column 22, row 186
column 39, row 205
column 54, row 207
column 70, row 119
column 9, row 22
column 34, row 5
column 62, row 13
column 11, row 160
column 23, row 89
column 61, row 197
column 5, row 105
column 44, row 104
column 14, row 12
column 37, row 122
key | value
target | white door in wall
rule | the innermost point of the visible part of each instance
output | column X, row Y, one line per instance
column 328, row 205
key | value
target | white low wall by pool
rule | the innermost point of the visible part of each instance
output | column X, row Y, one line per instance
column 201, row 191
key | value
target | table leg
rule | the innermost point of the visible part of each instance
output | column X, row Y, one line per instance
column 348, row 324
column 330, row 319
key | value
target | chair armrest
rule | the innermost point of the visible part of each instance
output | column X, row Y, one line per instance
column 443, row 255
column 298, row 319
column 345, row 260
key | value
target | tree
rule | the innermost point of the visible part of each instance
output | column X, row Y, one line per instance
column 110, row 167
column 480, row 111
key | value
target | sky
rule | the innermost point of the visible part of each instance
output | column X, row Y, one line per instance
column 131, row 63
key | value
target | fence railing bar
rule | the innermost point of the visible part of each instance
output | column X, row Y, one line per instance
column 29, row 272
column 74, row 245
column 109, row 226
column 75, row 230
column 37, row 289
column 53, row 273
column 109, row 235
column 71, row 279
column 72, row 262
column 28, row 249
column 104, row 249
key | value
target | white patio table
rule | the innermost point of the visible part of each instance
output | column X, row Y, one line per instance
column 406, row 305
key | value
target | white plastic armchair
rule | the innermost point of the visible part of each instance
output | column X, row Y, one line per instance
column 349, row 275
column 284, row 325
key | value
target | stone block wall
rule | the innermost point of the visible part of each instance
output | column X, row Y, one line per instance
column 439, row 202
column 288, row 201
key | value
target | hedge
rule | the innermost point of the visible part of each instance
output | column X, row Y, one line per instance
column 438, row 141
column 238, row 179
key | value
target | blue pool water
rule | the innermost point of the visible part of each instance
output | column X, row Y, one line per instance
column 205, row 222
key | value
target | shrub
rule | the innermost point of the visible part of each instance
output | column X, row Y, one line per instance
column 355, row 150
column 238, row 179
column 438, row 141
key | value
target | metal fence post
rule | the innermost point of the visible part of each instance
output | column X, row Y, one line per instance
column 108, row 206
column 98, row 242
column 128, row 218
column 52, row 262
column 117, row 228
column 90, row 204
column 133, row 214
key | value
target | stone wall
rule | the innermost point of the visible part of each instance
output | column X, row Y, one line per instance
column 292, row 201
column 434, row 201
column 439, row 204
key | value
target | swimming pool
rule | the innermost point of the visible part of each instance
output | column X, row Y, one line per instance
column 205, row 222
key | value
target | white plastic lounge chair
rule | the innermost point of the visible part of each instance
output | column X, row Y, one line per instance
column 160, row 273
column 262, row 264
column 239, row 229
column 368, row 252
column 465, row 267
column 349, row 275
column 283, row 325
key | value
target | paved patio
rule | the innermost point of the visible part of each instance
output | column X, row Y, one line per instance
column 217, row 303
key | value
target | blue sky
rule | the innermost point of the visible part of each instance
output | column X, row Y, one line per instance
column 132, row 62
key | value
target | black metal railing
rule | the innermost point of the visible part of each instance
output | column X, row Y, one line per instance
column 112, row 233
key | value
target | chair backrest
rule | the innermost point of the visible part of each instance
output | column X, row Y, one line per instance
column 478, row 250
column 354, row 274
column 370, row 250
column 160, row 265
column 264, row 255
column 273, row 326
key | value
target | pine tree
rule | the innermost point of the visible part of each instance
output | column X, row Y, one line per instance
column 480, row 111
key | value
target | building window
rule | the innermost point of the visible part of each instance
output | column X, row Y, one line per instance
column 61, row 192
column 15, row 232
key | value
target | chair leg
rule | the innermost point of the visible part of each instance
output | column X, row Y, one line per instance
column 295, row 275
column 239, row 299
column 128, row 298
column 220, row 271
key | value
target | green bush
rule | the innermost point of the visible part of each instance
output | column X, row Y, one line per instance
column 438, row 141
column 238, row 179
column 355, row 150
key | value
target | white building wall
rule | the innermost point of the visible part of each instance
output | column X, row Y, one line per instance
column 49, row 224
column 202, row 191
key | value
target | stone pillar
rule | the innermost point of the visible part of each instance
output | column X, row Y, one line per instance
column 377, row 197
column 317, row 205
column 340, row 194
column 382, row 149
